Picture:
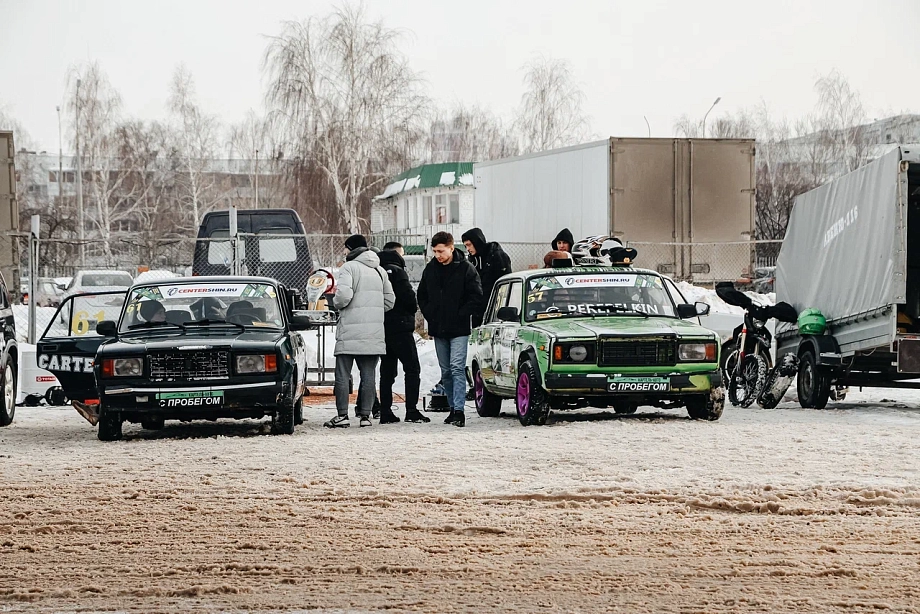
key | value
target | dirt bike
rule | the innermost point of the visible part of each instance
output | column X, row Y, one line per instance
column 747, row 365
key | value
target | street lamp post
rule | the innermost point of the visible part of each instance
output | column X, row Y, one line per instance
column 707, row 115
column 82, row 225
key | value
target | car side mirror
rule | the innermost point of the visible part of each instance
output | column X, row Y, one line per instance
column 702, row 309
column 509, row 314
column 300, row 321
column 107, row 328
column 686, row 310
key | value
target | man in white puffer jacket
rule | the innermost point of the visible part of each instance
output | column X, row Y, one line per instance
column 363, row 294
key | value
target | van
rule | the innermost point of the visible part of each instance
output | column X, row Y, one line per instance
column 273, row 245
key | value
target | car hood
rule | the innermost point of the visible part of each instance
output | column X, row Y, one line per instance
column 195, row 340
column 619, row 326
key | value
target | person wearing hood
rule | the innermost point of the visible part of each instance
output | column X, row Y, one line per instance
column 490, row 260
column 450, row 296
column 399, row 326
column 363, row 295
column 563, row 241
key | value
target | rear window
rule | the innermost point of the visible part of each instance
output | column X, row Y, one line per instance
column 278, row 246
column 97, row 280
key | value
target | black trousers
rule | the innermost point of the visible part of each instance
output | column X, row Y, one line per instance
column 400, row 348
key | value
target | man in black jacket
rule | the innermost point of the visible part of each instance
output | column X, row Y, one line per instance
column 564, row 241
column 490, row 260
column 450, row 296
column 399, row 328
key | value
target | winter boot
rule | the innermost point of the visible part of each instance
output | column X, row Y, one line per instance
column 414, row 415
column 365, row 421
column 471, row 395
column 339, row 422
column 388, row 417
column 460, row 420
column 451, row 417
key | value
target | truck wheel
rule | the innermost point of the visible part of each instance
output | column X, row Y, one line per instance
column 153, row 424
column 707, row 407
column 109, row 426
column 530, row 400
column 625, row 407
column 8, row 396
column 488, row 405
column 283, row 421
column 813, row 386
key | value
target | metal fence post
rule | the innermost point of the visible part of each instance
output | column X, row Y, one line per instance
column 234, row 243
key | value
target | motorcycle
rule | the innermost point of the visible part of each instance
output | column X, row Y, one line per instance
column 747, row 366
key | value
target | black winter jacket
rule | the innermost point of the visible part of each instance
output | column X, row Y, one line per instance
column 400, row 319
column 491, row 261
column 450, row 296
column 564, row 235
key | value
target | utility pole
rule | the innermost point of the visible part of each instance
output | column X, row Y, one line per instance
column 60, row 159
column 257, row 179
column 81, row 234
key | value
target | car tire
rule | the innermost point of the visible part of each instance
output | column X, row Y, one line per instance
column 283, row 421
column 109, row 426
column 530, row 398
column 813, row 386
column 153, row 424
column 625, row 407
column 707, row 407
column 488, row 405
column 298, row 412
column 7, row 394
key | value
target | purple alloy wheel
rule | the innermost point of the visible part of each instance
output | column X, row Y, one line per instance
column 523, row 394
column 480, row 388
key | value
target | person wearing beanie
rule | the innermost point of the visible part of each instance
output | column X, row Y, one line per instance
column 363, row 295
column 563, row 241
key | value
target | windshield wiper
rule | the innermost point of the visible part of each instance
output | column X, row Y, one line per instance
column 210, row 321
column 152, row 324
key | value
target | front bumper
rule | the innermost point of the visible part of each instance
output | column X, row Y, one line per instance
column 186, row 401
column 651, row 385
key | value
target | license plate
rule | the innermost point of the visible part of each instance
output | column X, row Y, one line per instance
column 202, row 398
column 639, row 384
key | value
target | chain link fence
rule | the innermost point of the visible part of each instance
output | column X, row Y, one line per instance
column 67, row 266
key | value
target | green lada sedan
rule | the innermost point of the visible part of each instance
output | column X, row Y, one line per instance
column 598, row 336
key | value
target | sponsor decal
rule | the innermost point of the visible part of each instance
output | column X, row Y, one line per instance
column 614, row 308
column 199, row 398
column 599, row 280
column 221, row 290
column 71, row 364
column 45, row 378
column 639, row 384
column 840, row 224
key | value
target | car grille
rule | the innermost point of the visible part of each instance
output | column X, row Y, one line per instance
column 636, row 353
column 190, row 366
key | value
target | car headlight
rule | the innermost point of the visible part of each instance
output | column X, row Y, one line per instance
column 578, row 353
column 699, row 352
column 570, row 352
column 257, row 363
column 123, row 367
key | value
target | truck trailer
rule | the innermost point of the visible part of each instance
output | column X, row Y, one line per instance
column 9, row 213
column 687, row 197
column 852, row 252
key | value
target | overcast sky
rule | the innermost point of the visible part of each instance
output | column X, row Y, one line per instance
column 631, row 57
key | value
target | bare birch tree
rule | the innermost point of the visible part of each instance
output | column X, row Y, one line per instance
column 469, row 133
column 840, row 119
column 551, row 113
column 346, row 99
column 196, row 134
column 255, row 143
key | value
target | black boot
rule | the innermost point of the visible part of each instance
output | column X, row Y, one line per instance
column 414, row 415
column 388, row 417
column 460, row 420
column 451, row 417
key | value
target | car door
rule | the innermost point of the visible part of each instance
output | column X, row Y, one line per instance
column 487, row 332
column 68, row 346
column 503, row 344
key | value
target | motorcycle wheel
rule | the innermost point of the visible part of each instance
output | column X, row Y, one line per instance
column 747, row 382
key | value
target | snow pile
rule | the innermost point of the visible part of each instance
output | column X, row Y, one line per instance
column 466, row 179
column 412, row 183
column 448, row 178
column 717, row 305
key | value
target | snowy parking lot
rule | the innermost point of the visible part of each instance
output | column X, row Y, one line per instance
column 774, row 511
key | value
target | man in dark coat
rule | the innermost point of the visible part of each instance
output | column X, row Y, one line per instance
column 399, row 325
column 564, row 241
column 450, row 296
column 490, row 260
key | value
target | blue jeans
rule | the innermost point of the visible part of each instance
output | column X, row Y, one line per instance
column 452, row 358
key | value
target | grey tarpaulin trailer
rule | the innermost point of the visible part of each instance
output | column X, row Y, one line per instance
column 852, row 250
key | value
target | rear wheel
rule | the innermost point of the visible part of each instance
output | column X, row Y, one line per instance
column 8, row 395
column 813, row 386
column 746, row 383
column 488, row 405
column 298, row 411
column 530, row 400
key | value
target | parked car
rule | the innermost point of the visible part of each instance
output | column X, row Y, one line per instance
column 98, row 281
column 599, row 336
column 181, row 349
column 9, row 353
column 155, row 275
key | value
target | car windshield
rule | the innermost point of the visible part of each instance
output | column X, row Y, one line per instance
column 597, row 293
column 99, row 280
column 202, row 304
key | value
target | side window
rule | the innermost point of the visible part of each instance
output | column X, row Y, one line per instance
column 516, row 295
column 500, row 300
